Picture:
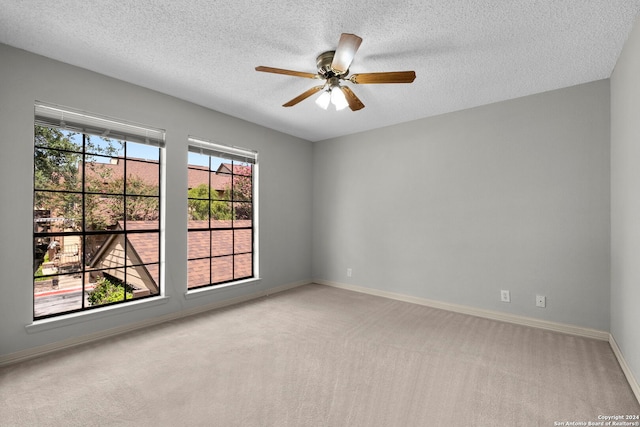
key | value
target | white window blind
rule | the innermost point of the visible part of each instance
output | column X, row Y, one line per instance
column 224, row 151
column 65, row 118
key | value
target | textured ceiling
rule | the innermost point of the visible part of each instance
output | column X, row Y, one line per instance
column 465, row 52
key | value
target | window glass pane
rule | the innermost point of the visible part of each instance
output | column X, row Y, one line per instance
column 109, row 288
column 197, row 159
column 142, row 212
column 198, row 210
column 142, row 178
column 243, row 213
column 221, row 242
column 222, row 269
column 198, row 245
column 54, row 254
column 57, row 294
column 143, row 248
column 103, row 212
column 57, row 212
column 199, row 176
column 220, row 214
column 242, row 188
column 242, row 168
column 242, row 241
column 153, row 287
column 57, row 170
column 220, row 186
column 104, row 174
column 198, row 273
column 143, row 280
column 105, row 251
column 242, row 266
column 92, row 249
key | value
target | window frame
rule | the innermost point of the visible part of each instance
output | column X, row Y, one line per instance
column 88, row 124
column 234, row 154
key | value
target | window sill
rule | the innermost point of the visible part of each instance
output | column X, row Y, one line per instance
column 97, row 313
column 212, row 290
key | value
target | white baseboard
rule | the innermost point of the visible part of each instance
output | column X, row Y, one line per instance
column 625, row 367
column 31, row 353
column 479, row 312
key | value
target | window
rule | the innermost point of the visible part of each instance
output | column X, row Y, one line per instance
column 97, row 186
column 221, row 240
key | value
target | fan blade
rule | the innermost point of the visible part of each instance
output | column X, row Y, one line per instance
column 287, row 72
column 354, row 102
column 347, row 48
column 390, row 77
column 303, row 96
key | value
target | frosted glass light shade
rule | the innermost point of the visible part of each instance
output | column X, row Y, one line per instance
column 338, row 99
column 323, row 100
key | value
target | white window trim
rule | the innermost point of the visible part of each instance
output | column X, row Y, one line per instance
column 95, row 313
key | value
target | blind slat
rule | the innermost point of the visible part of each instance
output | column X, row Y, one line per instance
column 224, row 151
column 63, row 118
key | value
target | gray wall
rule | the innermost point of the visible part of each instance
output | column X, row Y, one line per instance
column 513, row 195
column 625, row 201
column 284, row 189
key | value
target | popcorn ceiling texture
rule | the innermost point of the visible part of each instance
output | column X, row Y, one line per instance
column 465, row 53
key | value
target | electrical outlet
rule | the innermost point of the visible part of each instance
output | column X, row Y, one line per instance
column 349, row 272
column 505, row 296
column 541, row 301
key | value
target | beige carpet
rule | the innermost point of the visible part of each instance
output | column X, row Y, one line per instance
column 319, row 356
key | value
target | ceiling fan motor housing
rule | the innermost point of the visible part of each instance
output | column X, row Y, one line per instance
column 323, row 62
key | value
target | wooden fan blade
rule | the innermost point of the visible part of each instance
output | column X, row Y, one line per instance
column 390, row 77
column 347, row 48
column 303, row 96
column 287, row 72
column 354, row 102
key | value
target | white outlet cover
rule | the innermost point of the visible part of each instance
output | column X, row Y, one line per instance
column 505, row 296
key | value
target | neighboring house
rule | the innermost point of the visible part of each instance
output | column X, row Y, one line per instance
column 147, row 171
column 110, row 259
column 140, row 249
column 223, row 241
column 198, row 175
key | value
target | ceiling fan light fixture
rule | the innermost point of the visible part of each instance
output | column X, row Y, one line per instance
column 324, row 99
column 338, row 99
column 333, row 66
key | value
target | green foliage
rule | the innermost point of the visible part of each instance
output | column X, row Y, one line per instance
column 57, row 167
column 38, row 274
column 242, row 191
column 204, row 201
column 107, row 292
column 58, row 161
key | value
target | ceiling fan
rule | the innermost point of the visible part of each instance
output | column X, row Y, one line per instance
column 333, row 67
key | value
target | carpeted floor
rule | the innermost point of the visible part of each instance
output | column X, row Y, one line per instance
column 319, row 356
